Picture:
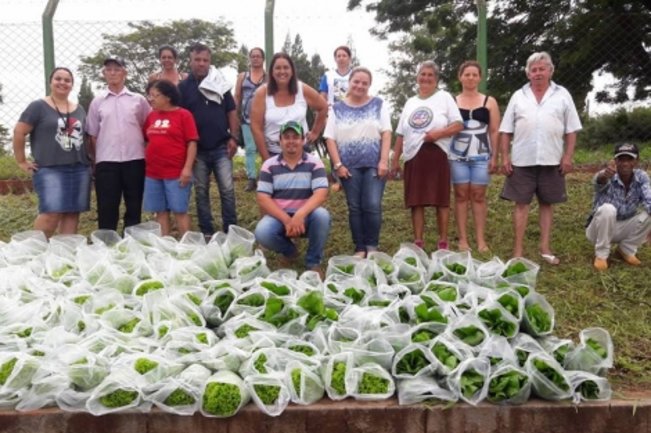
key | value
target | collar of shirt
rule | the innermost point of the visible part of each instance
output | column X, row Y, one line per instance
column 124, row 91
column 282, row 161
column 528, row 91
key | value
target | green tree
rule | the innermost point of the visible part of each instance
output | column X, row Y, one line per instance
column 242, row 60
column 583, row 37
column 308, row 69
column 85, row 93
column 354, row 60
column 139, row 47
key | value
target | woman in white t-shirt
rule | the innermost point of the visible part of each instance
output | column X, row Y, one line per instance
column 427, row 123
column 284, row 98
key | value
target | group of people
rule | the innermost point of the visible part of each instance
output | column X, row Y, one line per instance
column 151, row 151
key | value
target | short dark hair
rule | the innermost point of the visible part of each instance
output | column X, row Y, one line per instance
column 198, row 47
column 343, row 48
column 61, row 68
column 168, row 89
column 272, row 87
column 257, row 49
column 169, row 48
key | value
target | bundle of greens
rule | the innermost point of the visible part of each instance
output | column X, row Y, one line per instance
column 411, row 361
column 471, row 335
column 118, row 398
column 498, row 321
column 313, row 304
column 446, row 357
column 509, row 385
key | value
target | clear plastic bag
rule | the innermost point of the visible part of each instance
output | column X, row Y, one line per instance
column 589, row 387
column 548, row 378
column 415, row 360
column 269, row 392
column 594, row 354
column 237, row 244
column 538, row 319
column 519, row 270
column 508, row 384
column 337, row 375
column 372, row 382
column 470, row 380
column 423, row 389
column 181, row 395
column 304, row 383
column 118, row 392
column 223, row 395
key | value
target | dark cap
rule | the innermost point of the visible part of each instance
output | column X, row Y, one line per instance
column 117, row 60
column 291, row 125
column 626, row 149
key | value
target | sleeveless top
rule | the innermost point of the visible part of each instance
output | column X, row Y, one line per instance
column 275, row 117
column 247, row 89
column 474, row 141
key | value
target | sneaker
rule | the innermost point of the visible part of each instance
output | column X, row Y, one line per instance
column 629, row 258
column 600, row 264
column 251, row 185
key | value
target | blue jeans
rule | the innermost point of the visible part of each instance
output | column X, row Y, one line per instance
column 364, row 191
column 250, row 150
column 217, row 162
column 270, row 233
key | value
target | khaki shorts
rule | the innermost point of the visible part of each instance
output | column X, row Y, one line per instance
column 545, row 181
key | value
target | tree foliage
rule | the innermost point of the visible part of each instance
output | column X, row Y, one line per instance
column 139, row 47
column 85, row 93
column 583, row 37
column 308, row 69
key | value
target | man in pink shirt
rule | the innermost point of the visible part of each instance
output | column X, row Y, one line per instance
column 117, row 147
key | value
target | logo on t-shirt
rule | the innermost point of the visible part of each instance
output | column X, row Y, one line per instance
column 69, row 136
column 162, row 123
column 420, row 118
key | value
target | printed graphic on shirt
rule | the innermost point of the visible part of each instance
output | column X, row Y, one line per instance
column 69, row 137
column 340, row 88
column 160, row 126
column 420, row 118
column 474, row 136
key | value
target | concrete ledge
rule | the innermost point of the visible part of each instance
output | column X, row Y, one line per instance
column 629, row 415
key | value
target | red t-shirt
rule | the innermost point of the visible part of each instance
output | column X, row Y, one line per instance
column 168, row 134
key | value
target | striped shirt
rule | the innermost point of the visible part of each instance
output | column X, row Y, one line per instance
column 291, row 188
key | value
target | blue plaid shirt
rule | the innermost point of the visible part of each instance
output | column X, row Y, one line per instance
column 627, row 203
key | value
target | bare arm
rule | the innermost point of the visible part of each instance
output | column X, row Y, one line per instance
column 341, row 171
column 238, row 92
column 20, row 132
column 234, row 127
column 258, row 109
column 296, row 226
column 385, row 148
column 568, row 155
column 436, row 134
column 269, row 207
column 505, row 145
column 191, row 155
column 397, row 153
column 320, row 109
column 493, row 132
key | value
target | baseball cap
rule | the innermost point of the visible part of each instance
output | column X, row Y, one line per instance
column 114, row 59
column 626, row 149
column 291, row 125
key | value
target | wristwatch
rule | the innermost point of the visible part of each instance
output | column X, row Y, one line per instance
column 338, row 165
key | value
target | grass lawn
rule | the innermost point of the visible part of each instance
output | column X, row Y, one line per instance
column 618, row 300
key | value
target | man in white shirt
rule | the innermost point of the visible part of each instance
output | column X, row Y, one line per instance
column 540, row 125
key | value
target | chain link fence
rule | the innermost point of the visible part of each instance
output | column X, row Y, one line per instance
column 80, row 28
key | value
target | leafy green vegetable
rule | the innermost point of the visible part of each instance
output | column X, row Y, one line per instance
column 422, row 336
column 522, row 356
column 58, row 273
column 405, row 276
column 148, row 286
column 24, row 333
column 354, row 294
column 128, row 327
column 470, row 382
column 514, row 269
column 494, row 360
column 523, row 291
column 194, row 318
column 505, row 386
column 118, row 398
column 372, row 384
column 221, row 399
column 444, row 355
column 81, row 325
column 268, row 393
column 163, row 330
column 561, row 353
column 412, row 362
column 378, row 303
column 456, row 268
column 444, row 292
column 597, row 347
column 243, row 331
column 346, row 268
column 403, row 315
column 251, row 268
column 386, row 267
column 589, row 390
column 104, row 309
column 224, row 301
column 274, row 313
column 510, row 303
column 260, row 363
column 436, row 276
column 143, row 365
column 194, row 298
column 37, row 353
column 551, row 373
column 6, row 369
column 179, row 397
column 494, row 320
column 252, row 300
column 312, row 303
column 429, row 314
column 338, row 380
column 296, row 380
column 202, row 338
column 471, row 335
column 332, row 288
column 411, row 261
column 275, row 288
column 302, row 348
column 539, row 319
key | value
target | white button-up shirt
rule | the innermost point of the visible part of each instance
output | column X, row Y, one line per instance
column 539, row 129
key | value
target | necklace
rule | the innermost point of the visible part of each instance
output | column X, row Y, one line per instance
column 64, row 130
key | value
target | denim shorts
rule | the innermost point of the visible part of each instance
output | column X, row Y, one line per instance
column 473, row 171
column 62, row 188
column 162, row 195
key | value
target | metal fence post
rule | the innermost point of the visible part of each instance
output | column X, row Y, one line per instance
column 269, row 30
column 48, row 41
column 481, row 42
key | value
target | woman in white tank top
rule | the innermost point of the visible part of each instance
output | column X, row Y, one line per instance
column 282, row 99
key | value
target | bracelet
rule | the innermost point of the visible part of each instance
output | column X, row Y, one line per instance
column 338, row 165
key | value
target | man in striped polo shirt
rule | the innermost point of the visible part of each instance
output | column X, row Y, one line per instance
column 291, row 189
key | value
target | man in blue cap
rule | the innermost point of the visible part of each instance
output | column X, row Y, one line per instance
column 291, row 189
column 621, row 190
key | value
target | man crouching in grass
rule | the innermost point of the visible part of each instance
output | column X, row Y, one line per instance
column 291, row 189
column 620, row 190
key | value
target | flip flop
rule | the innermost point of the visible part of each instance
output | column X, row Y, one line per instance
column 550, row 259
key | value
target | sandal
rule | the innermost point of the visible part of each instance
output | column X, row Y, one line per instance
column 550, row 259
column 442, row 245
